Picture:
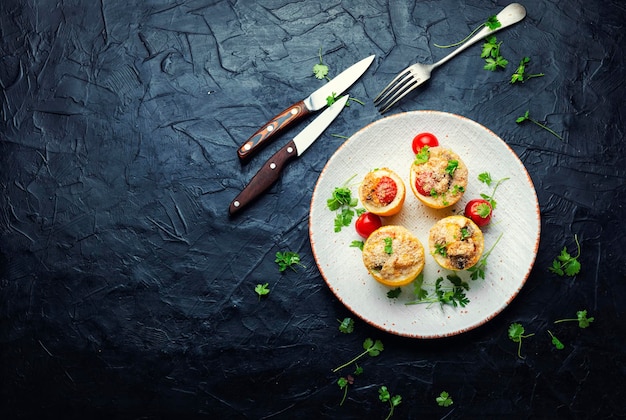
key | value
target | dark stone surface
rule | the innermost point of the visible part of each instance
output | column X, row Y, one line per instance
column 126, row 291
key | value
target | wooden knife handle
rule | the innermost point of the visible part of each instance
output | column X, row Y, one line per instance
column 265, row 178
column 270, row 130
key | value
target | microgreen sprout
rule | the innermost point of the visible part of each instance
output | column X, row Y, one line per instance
column 581, row 318
column 526, row 117
column 372, row 348
column 385, row 396
column 478, row 270
column 516, row 333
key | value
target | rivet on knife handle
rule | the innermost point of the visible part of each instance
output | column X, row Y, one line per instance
column 265, row 178
column 269, row 130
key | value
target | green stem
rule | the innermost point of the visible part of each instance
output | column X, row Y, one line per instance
column 546, row 128
column 351, row 361
column 345, row 392
column 461, row 41
column 390, row 411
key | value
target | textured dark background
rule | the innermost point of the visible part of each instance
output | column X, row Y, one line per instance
column 125, row 289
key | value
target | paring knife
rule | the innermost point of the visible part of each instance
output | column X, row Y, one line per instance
column 270, row 171
column 314, row 102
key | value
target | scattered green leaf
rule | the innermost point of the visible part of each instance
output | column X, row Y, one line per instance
column 454, row 296
column 388, row 245
column 485, row 177
column 385, row 396
column 394, row 293
column 287, row 260
column 491, row 54
column 516, row 333
column 557, row 343
column 423, row 155
column 444, row 399
column 565, row 264
column 372, row 348
column 357, row 244
column 344, row 204
column 320, row 70
column 347, row 325
column 262, row 289
column 520, row 74
column 526, row 117
column 581, row 318
column 493, row 22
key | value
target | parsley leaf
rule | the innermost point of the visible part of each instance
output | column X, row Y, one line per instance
column 388, row 245
column 423, row 155
column 485, row 177
column 491, row 54
column 454, row 296
column 557, row 343
column 526, row 117
column 493, row 22
column 520, row 74
column 342, row 201
column 516, row 333
column 394, row 293
column 385, row 396
column 287, row 259
column 372, row 348
column 320, row 70
column 347, row 325
column 444, row 399
column 566, row 265
column 357, row 244
column 262, row 289
column 478, row 270
column 452, row 165
column 581, row 318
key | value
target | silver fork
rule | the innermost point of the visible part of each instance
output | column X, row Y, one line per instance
column 418, row 73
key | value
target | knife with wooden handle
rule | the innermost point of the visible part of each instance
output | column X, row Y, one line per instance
column 314, row 102
column 271, row 170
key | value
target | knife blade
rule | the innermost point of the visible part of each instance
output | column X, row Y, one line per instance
column 314, row 102
column 270, row 171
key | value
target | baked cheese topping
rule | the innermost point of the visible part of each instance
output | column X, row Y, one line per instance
column 393, row 255
column 456, row 242
column 441, row 179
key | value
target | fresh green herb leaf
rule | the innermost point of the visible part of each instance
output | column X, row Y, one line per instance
column 423, row 155
column 491, row 54
column 565, row 264
column 478, row 270
column 526, row 117
column 520, row 74
column 262, row 289
column 372, row 348
column 394, row 293
column 343, row 383
column 493, row 22
column 444, row 399
column 452, row 165
column 344, row 204
column 441, row 249
column 388, row 245
column 486, row 178
column 287, row 260
column 347, row 325
column 581, row 318
column 557, row 343
column 454, row 296
column 320, row 70
column 394, row 400
column 516, row 333
column 357, row 244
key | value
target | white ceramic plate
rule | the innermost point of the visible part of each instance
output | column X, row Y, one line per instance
column 387, row 143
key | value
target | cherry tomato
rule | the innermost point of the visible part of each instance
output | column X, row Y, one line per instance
column 479, row 211
column 424, row 139
column 386, row 190
column 367, row 223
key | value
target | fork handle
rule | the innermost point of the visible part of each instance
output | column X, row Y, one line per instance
column 510, row 15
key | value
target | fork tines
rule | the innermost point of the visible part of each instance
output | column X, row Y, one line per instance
column 402, row 84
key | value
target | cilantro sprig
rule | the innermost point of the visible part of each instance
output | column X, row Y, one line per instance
column 262, row 289
column 566, row 265
column 516, row 333
column 557, row 343
column 344, row 204
column 527, row 117
column 320, row 70
column 347, row 325
column 485, row 178
column 372, row 348
column 492, row 23
column 385, row 396
column 581, row 318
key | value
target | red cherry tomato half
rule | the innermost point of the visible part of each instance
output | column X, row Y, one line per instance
column 479, row 211
column 386, row 190
column 367, row 223
column 424, row 139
